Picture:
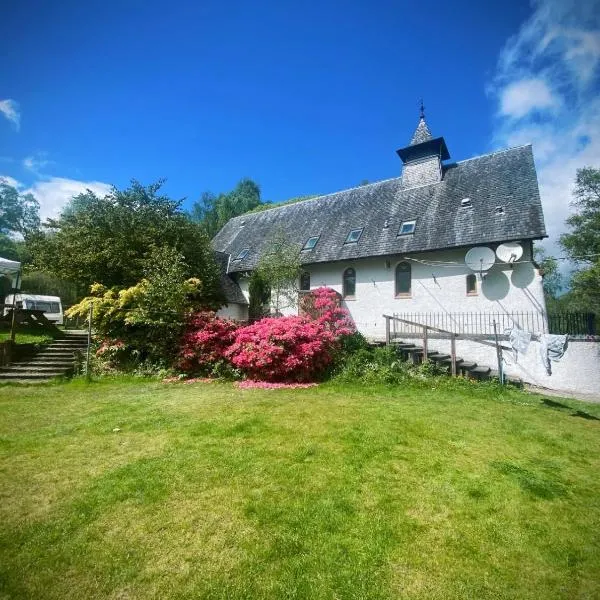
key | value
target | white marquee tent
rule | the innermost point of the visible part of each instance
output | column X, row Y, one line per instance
column 12, row 269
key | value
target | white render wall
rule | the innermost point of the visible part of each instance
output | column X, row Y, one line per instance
column 237, row 312
column 503, row 289
column 577, row 372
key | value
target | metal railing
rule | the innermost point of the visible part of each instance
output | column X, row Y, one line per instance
column 482, row 323
column 391, row 332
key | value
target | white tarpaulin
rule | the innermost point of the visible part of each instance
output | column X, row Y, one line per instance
column 11, row 268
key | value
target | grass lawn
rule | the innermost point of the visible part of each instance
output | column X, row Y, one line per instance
column 129, row 489
column 27, row 335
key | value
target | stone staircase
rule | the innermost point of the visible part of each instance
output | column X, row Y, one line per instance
column 464, row 368
column 54, row 360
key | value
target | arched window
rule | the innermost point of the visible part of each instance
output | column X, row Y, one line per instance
column 349, row 284
column 305, row 281
column 471, row 285
column 403, row 280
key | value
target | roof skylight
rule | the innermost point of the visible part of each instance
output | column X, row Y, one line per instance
column 311, row 242
column 407, row 227
column 242, row 255
column 354, row 236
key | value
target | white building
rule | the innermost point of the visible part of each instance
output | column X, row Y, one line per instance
column 398, row 246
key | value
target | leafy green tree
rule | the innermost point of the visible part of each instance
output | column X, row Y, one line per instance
column 146, row 320
column 212, row 212
column 279, row 268
column 109, row 240
column 552, row 278
column 582, row 244
column 260, row 296
column 19, row 221
column 18, row 213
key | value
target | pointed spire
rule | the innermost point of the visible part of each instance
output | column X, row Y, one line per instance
column 422, row 133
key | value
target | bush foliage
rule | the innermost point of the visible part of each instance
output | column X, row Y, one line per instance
column 276, row 349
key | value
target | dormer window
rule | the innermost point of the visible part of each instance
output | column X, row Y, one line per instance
column 242, row 255
column 407, row 227
column 354, row 236
column 311, row 242
column 466, row 203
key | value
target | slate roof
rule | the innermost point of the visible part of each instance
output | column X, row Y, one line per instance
column 232, row 291
column 506, row 178
column 421, row 134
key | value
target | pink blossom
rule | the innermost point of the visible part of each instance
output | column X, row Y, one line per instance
column 269, row 385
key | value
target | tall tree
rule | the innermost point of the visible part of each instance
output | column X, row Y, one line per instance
column 19, row 221
column 108, row 240
column 212, row 212
column 582, row 243
column 19, row 214
column 279, row 269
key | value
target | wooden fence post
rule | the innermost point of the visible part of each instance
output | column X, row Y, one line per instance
column 425, row 359
column 387, row 331
column 453, row 354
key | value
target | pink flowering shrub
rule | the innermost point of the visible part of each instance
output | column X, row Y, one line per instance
column 282, row 349
column 268, row 385
column 324, row 305
column 204, row 342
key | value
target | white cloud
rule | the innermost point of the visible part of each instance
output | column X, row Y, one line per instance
column 54, row 193
column 547, row 88
column 8, row 180
column 10, row 109
column 521, row 97
column 36, row 162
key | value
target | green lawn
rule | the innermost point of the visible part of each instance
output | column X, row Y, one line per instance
column 27, row 335
column 127, row 490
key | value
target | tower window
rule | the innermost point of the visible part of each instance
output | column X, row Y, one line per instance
column 349, row 284
column 403, row 280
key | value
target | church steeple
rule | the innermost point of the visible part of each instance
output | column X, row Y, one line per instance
column 423, row 157
column 422, row 133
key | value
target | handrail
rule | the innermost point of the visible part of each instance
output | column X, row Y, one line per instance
column 425, row 328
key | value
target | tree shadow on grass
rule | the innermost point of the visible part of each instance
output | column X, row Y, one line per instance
column 578, row 413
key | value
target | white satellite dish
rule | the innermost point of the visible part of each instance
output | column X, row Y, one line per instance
column 509, row 252
column 480, row 259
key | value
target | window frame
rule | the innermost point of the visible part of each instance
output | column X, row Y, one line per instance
column 475, row 290
column 360, row 232
column 398, row 294
column 242, row 254
column 306, row 248
column 412, row 222
column 345, row 274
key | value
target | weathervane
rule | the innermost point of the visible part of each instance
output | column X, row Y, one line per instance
column 422, row 109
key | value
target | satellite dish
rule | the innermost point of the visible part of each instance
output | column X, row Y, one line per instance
column 480, row 259
column 509, row 252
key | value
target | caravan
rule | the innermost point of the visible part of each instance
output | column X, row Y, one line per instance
column 51, row 305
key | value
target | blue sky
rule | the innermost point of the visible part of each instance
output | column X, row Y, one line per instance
column 303, row 98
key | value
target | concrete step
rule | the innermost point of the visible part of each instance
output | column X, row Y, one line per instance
column 46, row 375
column 66, row 345
column 18, row 368
column 46, row 363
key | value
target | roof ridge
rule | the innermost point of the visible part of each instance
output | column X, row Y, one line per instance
column 356, row 187
column 494, row 152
